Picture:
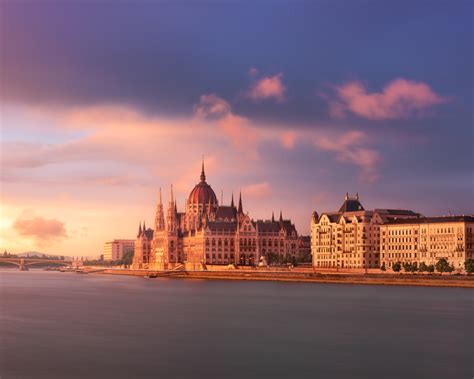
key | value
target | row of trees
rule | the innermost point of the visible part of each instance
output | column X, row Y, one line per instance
column 126, row 260
column 441, row 266
column 277, row 259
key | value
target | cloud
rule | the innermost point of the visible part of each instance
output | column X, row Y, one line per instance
column 351, row 147
column 253, row 71
column 41, row 229
column 288, row 139
column 236, row 128
column 269, row 87
column 211, row 105
column 399, row 99
column 257, row 190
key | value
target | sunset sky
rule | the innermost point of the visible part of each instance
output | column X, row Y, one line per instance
column 294, row 103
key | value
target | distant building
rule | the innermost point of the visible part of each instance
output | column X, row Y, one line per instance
column 143, row 254
column 304, row 248
column 428, row 240
column 209, row 233
column 350, row 237
column 114, row 250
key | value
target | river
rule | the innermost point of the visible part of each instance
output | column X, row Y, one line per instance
column 65, row 325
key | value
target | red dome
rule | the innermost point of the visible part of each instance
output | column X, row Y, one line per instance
column 202, row 192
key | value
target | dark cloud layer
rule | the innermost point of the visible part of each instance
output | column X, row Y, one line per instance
column 163, row 56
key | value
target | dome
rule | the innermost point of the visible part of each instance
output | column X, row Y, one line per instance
column 202, row 193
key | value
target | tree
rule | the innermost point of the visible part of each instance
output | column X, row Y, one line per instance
column 469, row 266
column 442, row 265
column 431, row 269
column 128, row 257
column 396, row 267
column 272, row 258
column 423, row 267
column 383, row 268
column 450, row 268
column 407, row 266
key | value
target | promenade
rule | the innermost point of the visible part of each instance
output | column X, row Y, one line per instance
column 307, row 275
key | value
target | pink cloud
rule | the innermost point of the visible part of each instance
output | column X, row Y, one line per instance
column 400, row 98
column 43, row 230
column 270, row 87
column 257, row 190
column 211, row 105
column 240, row 134
column 351, row 147
column 288, row 139
column 236, row 128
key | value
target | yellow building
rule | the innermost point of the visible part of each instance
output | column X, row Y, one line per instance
column 114, row 250
column 428, row 240
column 350, row 237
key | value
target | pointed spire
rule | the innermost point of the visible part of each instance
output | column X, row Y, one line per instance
column 203, row 174
column 347, row 195
column 232, row 201
column 273, row 216
column 144, row 227
column 241, row 209
column 357, row 195
column 281, row 216
column 172, row 200
column 139, row 229
column 175, row 208
column 159, row 216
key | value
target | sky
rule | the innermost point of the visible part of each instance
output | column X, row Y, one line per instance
column 292, row 103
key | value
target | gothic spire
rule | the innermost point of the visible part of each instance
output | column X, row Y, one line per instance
column 203, row 174
column 241, row 209
column 172, row 200
column 159, row 216
column 139, row 229
column 281, row 216
column 232, row 201
column 273, row 216
column 144, row 227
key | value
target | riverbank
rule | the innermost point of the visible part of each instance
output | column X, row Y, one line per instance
column 461, row 281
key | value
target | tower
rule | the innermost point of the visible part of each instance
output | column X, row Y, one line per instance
column 171, row 214
column 240, row 209
column 159, row 217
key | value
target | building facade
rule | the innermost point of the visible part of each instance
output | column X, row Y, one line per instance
column 115, row 250
column 209, row 233
column 350, row 237
column 143, row 246
column 428, row 240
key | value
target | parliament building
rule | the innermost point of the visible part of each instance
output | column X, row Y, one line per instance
column 209, row 233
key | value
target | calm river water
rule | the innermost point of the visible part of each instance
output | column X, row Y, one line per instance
column 65, row 325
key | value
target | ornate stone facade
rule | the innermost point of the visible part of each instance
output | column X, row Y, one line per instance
column 350, row 238
column 428, row 240
column 208, row 233
column 143, row 246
